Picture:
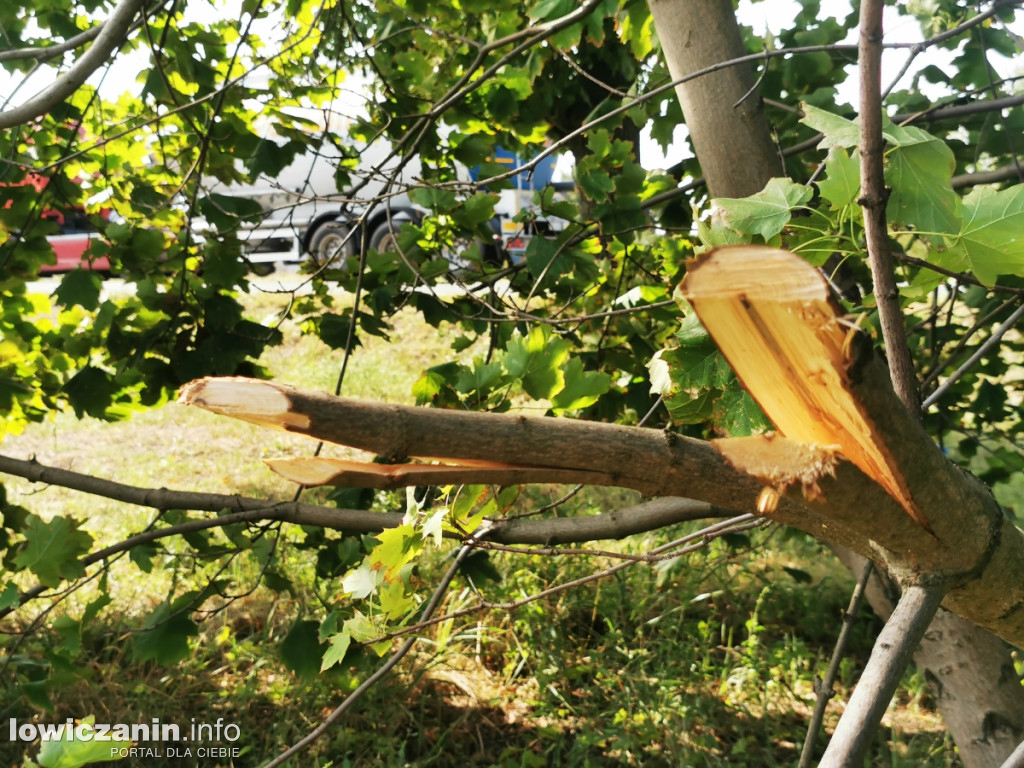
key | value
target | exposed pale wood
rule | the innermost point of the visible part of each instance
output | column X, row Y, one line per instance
column 780, row 463
column 645, row 460
column 976, row 549
column 327, row 471
column 771, row 315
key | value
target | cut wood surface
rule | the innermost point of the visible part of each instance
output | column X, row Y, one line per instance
column 772, row 317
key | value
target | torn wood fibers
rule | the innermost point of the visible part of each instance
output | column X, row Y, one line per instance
column 773, row 318
column 849, row 463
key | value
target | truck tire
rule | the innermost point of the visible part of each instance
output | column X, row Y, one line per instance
column 384, row 238
column 328, row 245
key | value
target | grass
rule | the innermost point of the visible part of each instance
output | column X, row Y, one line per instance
column 703, row 661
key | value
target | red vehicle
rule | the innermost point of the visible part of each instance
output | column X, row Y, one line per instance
column 71, row 244
column 75, row 233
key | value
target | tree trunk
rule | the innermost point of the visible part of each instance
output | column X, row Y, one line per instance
column 722, row 110
column 965, row 665
column 969, row 672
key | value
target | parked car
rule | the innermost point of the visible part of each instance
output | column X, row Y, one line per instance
column 74, row 235
column 71, row 244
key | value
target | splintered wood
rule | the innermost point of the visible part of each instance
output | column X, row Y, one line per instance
column 772, row 317
column 381, row 429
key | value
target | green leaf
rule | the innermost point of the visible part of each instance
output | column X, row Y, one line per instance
column 52, row 550
column 439, row 200
column 737, row 414
column 476, row 210
column 480, row 378
column 919, row 175
column 71, row 752
column 473, row 149
column 697, row 371
column 582, row 388
column 79, row 287
column 767, row 212
column 334, row 329
column 536, row 360
column 337, row 648
column 798, row 575
column 842, row 179
column 839, row 132
column 270, row 158
column 223, row 265
column 165, row 638
column 992, row 234
column 90, row 391
column 545, row 257
column 596, row 184
column 551, row 9
column 9, row 597
column 479, row 567
column 393, row 600
column 301, row 648
column 226, row 212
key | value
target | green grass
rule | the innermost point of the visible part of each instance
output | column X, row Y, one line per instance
column 703, row 661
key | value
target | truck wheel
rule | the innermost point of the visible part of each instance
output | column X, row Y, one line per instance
column 328, row 246
column 384, row 238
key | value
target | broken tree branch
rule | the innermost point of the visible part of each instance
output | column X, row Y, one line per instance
column 975, row 549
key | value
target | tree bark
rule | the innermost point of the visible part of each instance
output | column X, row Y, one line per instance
column 889, row 658
column 723, row 110
column 974, row 549
column 969, row 672
column 736, row 153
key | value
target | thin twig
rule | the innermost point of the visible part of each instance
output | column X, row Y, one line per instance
column 825, row 687
column 892, row 653
column 873, row 199
column 990, row 342
column 397, row 656
column 962, row 342
column 699, row 540
column 110, row 37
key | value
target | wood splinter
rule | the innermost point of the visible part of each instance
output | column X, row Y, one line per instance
column 772, row 317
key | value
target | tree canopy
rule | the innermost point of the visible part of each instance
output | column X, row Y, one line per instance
column 419, row 101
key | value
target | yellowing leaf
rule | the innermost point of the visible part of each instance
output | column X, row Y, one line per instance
column 397, row 547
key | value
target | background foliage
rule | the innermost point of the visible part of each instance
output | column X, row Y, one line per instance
column 586, row 325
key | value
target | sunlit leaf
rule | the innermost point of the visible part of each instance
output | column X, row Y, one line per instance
column 842, row 178
column 767, row 212
column 992, row 238
column 52, row 549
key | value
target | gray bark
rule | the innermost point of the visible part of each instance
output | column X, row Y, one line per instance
column 969, row 672
column 736, row 154
column 889, row 658
column 723, row 111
